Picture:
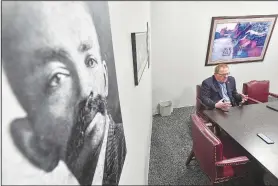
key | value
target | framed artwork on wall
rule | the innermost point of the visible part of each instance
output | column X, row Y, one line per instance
column 239, row 39
column 139, row 54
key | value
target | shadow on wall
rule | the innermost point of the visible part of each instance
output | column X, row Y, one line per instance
column 187, row 96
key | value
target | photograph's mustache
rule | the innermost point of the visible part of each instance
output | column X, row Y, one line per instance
column 85, row 112
column 98, row 103
column 89, row 107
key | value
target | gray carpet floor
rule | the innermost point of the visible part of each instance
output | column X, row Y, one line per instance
column 171, row 143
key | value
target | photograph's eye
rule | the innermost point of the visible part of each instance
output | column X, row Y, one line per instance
column 90, row 61
column 56, row 80
column 58, row 77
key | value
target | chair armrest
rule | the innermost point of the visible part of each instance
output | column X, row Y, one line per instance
column 232, row 161
column 254, row 100
column 273, row 95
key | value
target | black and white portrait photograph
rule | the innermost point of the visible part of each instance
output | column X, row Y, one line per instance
column 61, row 113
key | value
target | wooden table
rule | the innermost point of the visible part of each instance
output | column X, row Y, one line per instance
column 243, row 123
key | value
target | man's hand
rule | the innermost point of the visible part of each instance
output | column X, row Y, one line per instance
column 244, row 98
column 223, row 105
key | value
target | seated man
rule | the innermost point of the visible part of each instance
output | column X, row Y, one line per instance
column 219, row 91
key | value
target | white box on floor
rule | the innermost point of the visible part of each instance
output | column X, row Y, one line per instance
column 165, row 108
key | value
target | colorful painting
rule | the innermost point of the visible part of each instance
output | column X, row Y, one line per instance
column 239, row 39
column 61, row 116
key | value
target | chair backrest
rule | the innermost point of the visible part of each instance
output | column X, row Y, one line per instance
column 258, row 90
column 199, row 107
column 206, row 146
column 198, row 100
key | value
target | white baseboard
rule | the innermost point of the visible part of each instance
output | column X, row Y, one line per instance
column 185, row 106
column 155, row 110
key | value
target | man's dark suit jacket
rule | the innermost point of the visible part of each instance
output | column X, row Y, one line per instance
column 211, row 92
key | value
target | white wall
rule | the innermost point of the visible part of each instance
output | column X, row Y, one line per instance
column 127, row 17
column 180, row 32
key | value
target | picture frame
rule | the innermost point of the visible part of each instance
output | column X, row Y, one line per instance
column 139, row 54
column 239, row 39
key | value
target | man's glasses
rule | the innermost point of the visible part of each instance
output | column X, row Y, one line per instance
column 223, row 75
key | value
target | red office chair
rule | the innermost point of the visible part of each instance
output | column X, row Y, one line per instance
column 217, row 158
column 257, row 91
column 200, row 107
